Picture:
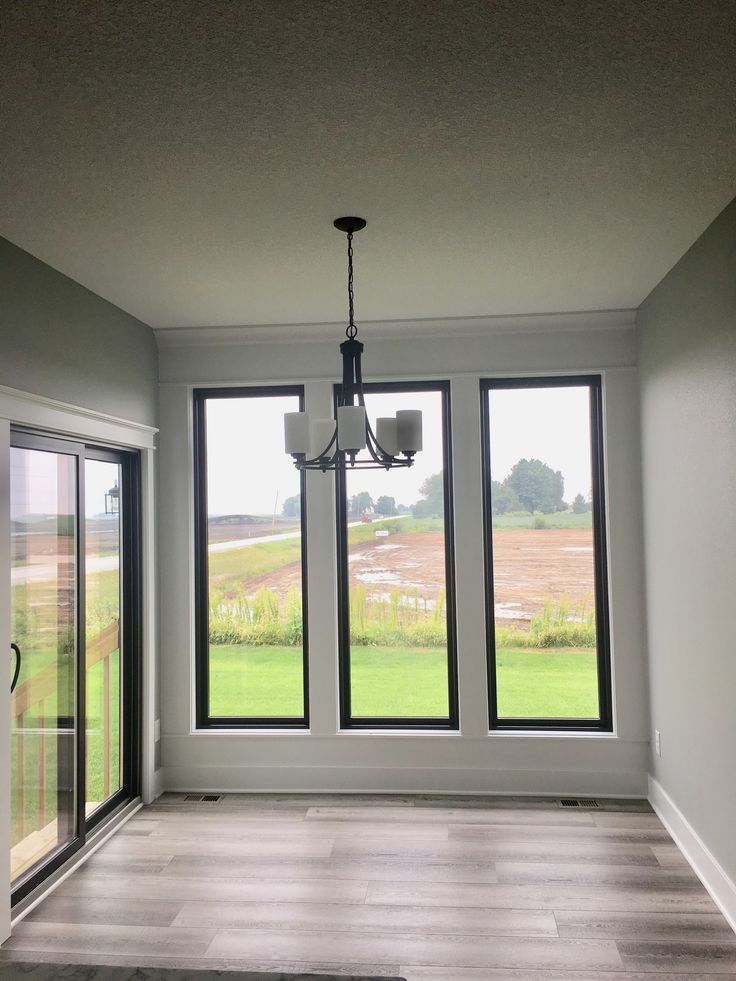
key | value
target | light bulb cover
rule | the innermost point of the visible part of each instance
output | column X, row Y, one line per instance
column 322, row 432
column 387, row 434
column 296, row 432
column 409, row 427
column 351, row 434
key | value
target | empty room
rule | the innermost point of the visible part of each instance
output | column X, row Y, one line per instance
column 367, row 455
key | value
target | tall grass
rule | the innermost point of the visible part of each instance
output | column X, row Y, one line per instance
column 395, row 619
column 399, row 618
column 559, row 624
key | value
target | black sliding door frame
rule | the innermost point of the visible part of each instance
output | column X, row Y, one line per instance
column 130, row 629
column 347, row 720
column 604, row 723
column 130, row 715
column 201, row 562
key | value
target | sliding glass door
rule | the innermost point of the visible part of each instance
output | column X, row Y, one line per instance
column 74, row 649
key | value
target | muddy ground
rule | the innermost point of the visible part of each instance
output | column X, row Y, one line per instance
column 529, row 567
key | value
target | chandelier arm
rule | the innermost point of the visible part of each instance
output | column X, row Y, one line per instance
column 370, row 446
column 323, row 454
column 357, row 465
column 323, row 463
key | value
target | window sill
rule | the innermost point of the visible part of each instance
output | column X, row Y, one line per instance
column 551, row 734
column 248, row 731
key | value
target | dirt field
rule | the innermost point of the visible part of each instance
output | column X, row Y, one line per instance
column 529, row 567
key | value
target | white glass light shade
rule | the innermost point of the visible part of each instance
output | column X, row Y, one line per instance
column 350, row 427
column 386, row 435
column 296, row 432
column 409, row 430
column 322, row 432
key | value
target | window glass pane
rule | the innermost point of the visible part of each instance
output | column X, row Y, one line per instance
column 254, row 550
column 43, row 517
column 543, row 552
column 396, row 581
column 102, row 597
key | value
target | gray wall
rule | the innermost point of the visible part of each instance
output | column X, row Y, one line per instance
column 60, row 340
column 687, row 359
column 471, row 760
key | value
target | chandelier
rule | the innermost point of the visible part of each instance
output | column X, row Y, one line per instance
column 334, row 444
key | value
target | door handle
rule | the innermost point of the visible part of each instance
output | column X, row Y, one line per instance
column 16, row 673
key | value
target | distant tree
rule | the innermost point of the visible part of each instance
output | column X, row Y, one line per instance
column 433, row 494
column 503, row 498
column 538, row 487
column 580, row 505
column 360, row 502
column 386, row 505
column 292, row 506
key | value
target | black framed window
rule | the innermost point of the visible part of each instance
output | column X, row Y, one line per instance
column 546, row 583
column 251, row 636
column 396, row 577
column 75, row 606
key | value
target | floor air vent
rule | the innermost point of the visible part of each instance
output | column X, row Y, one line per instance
column 203, row 798
column 578, row 802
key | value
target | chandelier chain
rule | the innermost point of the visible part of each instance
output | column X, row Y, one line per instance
column 351, row 329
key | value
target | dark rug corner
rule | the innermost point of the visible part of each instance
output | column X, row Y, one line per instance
column 29, row 971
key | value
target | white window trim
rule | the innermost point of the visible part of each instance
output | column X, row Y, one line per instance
column 51, row 416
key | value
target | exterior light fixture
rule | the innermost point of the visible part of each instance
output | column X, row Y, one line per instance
column 112, row 500
column 335, row 444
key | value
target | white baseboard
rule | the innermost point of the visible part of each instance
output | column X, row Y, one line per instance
column 705, row 865
column 157, row 784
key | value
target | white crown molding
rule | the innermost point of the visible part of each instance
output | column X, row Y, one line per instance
column 29, row 409
column 582, row 321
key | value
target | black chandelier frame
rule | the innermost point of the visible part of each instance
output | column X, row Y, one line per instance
column 331, row 457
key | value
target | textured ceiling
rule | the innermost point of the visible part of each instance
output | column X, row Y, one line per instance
column 185, row 159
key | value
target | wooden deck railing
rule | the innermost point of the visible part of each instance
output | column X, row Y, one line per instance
column 28, row 700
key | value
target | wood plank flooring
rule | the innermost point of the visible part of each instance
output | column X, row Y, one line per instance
column 430, row 889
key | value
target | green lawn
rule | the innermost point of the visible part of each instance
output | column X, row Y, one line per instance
column 256, row 681
column 557, row 520
column 547, row 683
column 227, row 569
column 402, row 681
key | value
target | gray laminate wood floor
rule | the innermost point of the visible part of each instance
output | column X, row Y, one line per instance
column 432, row 889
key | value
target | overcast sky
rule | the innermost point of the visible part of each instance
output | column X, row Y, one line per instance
column 44, row 483
column 244, row 434
column 549, row 424
column 249, row 472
